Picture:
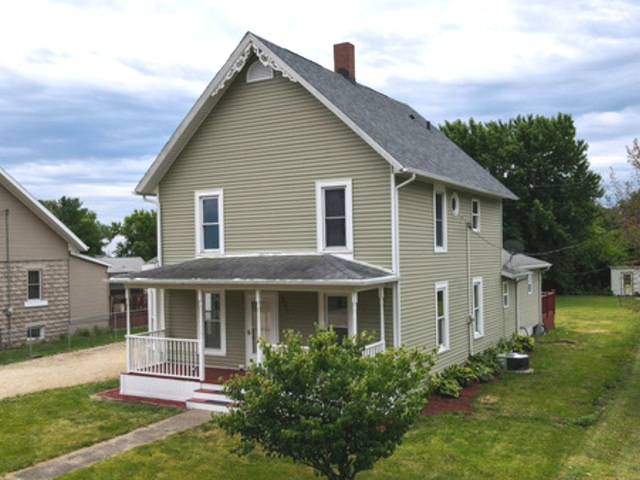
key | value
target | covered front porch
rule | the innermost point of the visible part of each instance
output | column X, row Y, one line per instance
column 210, row 313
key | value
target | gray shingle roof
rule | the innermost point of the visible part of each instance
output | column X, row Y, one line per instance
column 310, row 269
column 395, row 126
column 520, row 264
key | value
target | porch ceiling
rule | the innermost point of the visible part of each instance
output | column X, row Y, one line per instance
column 266, row 270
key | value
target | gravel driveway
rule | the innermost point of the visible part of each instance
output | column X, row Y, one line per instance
column 63, row 370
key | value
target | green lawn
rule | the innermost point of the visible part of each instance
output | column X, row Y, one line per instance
column 577, row 416
column 43, row 425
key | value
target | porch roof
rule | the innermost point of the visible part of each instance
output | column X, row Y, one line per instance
column 318, row 269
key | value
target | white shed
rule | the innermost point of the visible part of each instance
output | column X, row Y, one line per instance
column 625, row 280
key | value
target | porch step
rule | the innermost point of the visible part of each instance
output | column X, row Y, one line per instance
column 210, row 405
column 211, row 394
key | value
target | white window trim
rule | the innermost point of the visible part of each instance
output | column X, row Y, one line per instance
column 199, row 196
column 36, row 325
column 444, row 287
column 222, row 351
column 529, row 283
column 478, row 215
column 320, row 223
column 480, row 331
column 440, row 249
column 505, row 295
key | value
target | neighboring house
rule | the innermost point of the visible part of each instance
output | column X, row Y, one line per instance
column 44, row 279
column 522, row 292
column 292, row 196
column 625, row 280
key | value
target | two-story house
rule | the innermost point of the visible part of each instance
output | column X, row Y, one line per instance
column 45, row 281
column 292, row 196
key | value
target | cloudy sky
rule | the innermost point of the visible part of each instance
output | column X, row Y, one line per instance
column 91, row 90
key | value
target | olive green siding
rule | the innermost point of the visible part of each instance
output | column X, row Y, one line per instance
column 181, row 313
column 369, row 313
column 297, row 311
column 421, row 268
column 265, row 145
column 530, row 304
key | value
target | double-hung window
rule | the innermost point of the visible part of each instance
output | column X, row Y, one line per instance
column 505, row 294
column 478, row 321
column 214, row 323
column 34, row 285
column 529, row 283
column 34, row 289
column 334, row 221
column 209, row 222
column 475, row 215
column 442, row 316
column 439, row 221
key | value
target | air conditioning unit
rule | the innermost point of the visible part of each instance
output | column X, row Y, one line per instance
column 514, row 362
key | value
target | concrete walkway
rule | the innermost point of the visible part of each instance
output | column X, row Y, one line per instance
column 101, row 451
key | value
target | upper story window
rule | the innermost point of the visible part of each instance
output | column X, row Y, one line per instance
column 439, row 221
column 478, row 320
column 257, row 72
column 475, row 215
column 209, row 221
column 455, row 203
column 334, row 220
column 442, row 316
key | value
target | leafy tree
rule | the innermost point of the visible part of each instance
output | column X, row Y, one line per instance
column 625, row 205
column 540, row 160
column 139, row 230
column 81, row 221
column 328, row 406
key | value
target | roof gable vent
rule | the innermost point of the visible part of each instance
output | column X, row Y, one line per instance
column 257, row 72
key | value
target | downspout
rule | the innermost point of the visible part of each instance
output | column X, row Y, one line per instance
column 9, row 311
column 397, row 337
column 159, row 295
column 469, row 287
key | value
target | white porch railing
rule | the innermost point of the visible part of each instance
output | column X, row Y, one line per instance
column 152, row 353
column 373, row 348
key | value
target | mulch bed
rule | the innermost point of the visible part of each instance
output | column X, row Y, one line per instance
column 115, row 395
column 437, row 404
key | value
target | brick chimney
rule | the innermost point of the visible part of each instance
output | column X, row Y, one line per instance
column 344, row 60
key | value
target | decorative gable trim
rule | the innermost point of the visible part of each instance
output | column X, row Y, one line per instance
column 237, row 66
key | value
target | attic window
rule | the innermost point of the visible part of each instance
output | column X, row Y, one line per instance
column 258, row 72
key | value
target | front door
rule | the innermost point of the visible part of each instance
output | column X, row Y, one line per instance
column 268, row 321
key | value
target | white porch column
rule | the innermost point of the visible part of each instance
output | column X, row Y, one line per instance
column 200, row 333
column 128, row 314
column 258, row 327
column 354, row 313
column 128, row 309
column 381, row 298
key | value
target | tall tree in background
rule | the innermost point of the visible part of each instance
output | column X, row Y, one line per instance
column 139, row 231
column 81, row 221
column 541, row 161
column 624, row 201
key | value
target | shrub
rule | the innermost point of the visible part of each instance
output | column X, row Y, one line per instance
column 327, row 406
